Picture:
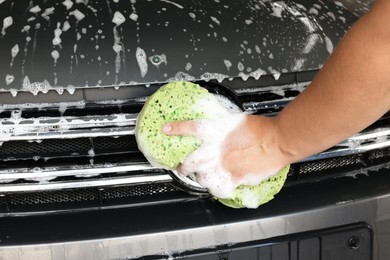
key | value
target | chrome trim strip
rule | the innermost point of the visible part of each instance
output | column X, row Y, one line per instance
column 255, row 106
column 70, row 134
column 16, row 128
column 118, row 181
column 347, row 151
column 8, row 175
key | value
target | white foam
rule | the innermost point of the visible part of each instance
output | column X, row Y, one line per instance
column 118, row 18
column 14, row 52
column 140, row 55
column 240, row 66
column 182, row 76
column 331, row 15
column 36, row 9
column 210, row 76
column 228, row 64
column 7, row 22
column 313, row 11
column 68, row 4
column 78, row 15
column 215, row 20
column 311, row 41
column 26, row 28
column 277, row 9
column 173, row 3
column 66, row 26
column 257, row 48
column 47, row 12
column 35, row 87
column 9, row 79
column 208, row 172
column 329, row 44
column 57, row 35
column 205, row 164
column 188, row 66
column 85, row 2
column 134, row 17
column 55, row 55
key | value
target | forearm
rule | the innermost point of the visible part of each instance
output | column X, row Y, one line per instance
column 350, row 92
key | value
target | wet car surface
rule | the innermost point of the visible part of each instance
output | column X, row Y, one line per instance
column 73, row 185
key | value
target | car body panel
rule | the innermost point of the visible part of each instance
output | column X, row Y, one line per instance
column 67, row 45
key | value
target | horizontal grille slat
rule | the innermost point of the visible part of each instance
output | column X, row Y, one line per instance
column 108, row 182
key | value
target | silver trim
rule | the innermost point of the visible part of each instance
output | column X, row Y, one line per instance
column 47, row 173
column 255, row 106
column 347, row 151
column 359, row 143
column 117, row 181
column 13, row 129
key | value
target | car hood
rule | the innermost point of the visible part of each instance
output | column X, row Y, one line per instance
column 73, row 44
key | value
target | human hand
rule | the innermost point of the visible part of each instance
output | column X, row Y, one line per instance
column 238, row 149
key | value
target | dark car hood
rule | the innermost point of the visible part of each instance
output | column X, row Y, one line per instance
column 70, row 44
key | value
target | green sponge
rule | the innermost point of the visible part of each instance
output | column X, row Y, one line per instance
column 181, row 100
column 254, row 196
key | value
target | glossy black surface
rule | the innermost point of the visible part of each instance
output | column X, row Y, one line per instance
column 66, row 44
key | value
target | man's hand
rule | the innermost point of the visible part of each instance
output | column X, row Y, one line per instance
column 245, row 146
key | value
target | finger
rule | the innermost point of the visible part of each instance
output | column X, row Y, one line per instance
column 184, row 128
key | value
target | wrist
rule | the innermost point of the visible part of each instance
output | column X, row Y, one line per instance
column 273, row 151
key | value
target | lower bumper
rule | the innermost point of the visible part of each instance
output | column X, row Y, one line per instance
column 174, row 230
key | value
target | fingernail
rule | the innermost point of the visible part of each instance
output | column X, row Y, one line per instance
column 167, row 128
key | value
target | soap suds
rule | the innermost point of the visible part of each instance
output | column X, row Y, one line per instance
column 329, row 44
column 55, row 55
column 173, row 3
column 7, row 22
column 78, row 15
column 57, row 35
column 228, row 64
column 207, row 171
column 14, row 52
column 36, row 9
column 134, row 17
column 68, row 4
column 140, row 55
column 9, row 79
column 118, row 18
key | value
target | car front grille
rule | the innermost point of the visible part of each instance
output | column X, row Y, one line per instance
column 86, row 156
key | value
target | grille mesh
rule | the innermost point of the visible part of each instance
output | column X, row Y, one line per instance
column 45, row 147
column 67, row 147
column 137, row 191
column 37, row 198
column 333, row 163
column 90, row 195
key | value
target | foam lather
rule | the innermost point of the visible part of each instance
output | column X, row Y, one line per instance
column 177, row 101
column 253, row 196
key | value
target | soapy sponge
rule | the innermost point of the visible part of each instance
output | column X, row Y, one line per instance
column 253, row 196
column 178, row 100
column 181, row 100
